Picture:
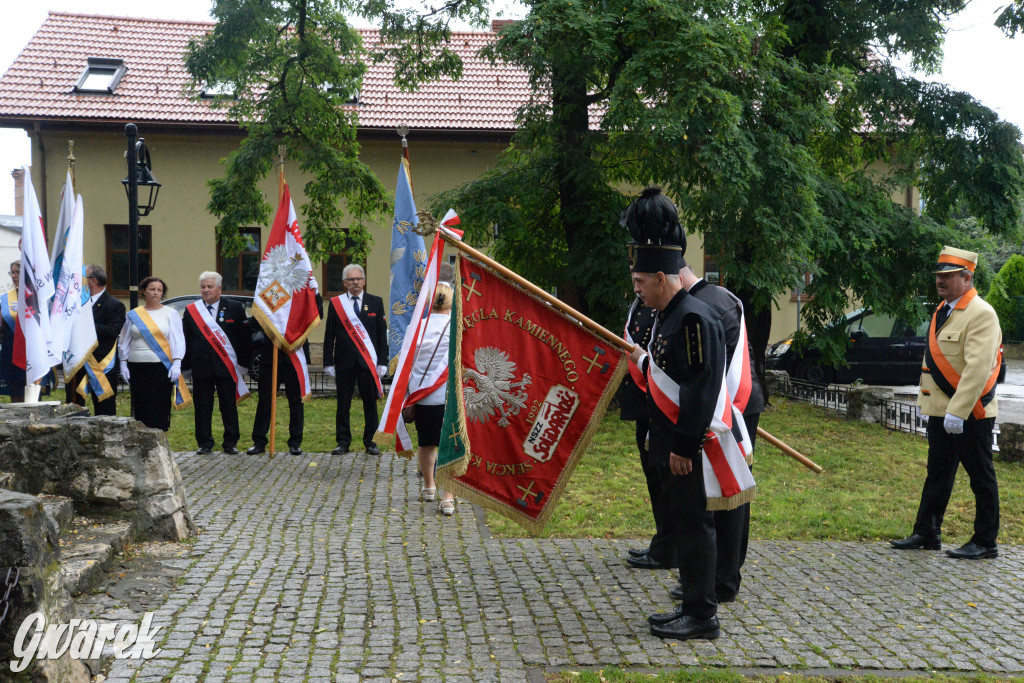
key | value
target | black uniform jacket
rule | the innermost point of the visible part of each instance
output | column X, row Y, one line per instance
column 339, row 349
column 730, row 311
column 689, row 345
column 631, row 397
column 108, row 316
column 200, row 356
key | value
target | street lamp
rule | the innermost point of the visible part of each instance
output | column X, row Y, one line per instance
column 140, row 167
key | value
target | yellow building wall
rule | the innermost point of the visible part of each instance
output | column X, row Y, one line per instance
column 184, row 241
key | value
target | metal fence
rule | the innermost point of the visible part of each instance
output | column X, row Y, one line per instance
column 831, row 397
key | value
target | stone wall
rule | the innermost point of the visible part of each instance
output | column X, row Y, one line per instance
column 106, row 465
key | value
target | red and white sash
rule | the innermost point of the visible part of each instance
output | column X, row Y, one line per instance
column 359, row 336
column 298, row 359
column 218, row 339
column 726, row 474
column 634, row 370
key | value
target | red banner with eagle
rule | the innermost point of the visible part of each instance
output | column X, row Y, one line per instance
column 527, row 388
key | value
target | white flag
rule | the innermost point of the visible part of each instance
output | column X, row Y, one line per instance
column 35, row 290
column 70, row 321
column 60, row 235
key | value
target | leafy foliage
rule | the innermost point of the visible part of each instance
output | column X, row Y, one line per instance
column 1011, row 18
column 1007, row 296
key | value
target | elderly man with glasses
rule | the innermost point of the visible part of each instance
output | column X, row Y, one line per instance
column 356, row 354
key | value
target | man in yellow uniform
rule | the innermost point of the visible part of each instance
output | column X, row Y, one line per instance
column 958, row 394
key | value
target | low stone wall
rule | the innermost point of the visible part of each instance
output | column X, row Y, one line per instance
column 106, row 465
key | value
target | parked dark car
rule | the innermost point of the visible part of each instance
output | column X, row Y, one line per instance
column 883, row 350
column 179, row 303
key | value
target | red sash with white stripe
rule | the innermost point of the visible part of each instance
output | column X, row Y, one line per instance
column 359, row 336
column 298, row 359
column 221, row 345
column 726, row 474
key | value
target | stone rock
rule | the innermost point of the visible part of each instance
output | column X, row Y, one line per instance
column 107, row 465
column 864, row 403
column 1011, row 442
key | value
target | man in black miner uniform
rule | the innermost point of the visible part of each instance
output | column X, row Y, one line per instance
column 344, row 362
column 661, row 552
column 285, row 373
column 732, row 527
column 208, row 372
column 108, row 316
column 689, row 347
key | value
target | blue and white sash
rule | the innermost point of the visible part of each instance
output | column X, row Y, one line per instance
column 159, row 345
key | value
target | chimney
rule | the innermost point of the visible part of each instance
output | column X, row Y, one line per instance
column 19, row 191
column 498, row 24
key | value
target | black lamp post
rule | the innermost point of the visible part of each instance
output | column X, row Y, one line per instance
column 140, row 174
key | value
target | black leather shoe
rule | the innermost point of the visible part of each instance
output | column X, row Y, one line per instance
column 638, row 552
column 688, row 628
column 340, row 450
column 665, row 617
column 676, row 593
column 372, row 449
column 972, row 551
column 917, row 542
column 295, row 450
column 205, row 450
column 256, row 450
column 645, row 562
column 231, row 451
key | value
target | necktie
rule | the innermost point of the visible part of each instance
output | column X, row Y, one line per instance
column 209, row 307
column 355, row 305
column 942, row 315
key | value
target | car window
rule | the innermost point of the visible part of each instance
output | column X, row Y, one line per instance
column 874, row 325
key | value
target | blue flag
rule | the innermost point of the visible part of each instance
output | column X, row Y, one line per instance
column 408, row 262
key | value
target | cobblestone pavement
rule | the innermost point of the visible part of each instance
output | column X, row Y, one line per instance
column 326, row 568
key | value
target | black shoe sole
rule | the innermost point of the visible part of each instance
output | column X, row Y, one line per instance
column 986, row 556
column 703, row 635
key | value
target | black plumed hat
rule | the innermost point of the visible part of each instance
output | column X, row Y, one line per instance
column 658, row 240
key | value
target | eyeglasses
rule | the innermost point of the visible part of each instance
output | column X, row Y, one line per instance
column 353, row 279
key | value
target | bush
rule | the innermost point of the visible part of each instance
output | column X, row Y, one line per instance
column 1007, row 296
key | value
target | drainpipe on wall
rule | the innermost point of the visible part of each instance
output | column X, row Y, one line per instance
column 42, row 171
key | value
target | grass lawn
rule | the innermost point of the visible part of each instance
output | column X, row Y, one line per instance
column 727, row 676
column 868, row 491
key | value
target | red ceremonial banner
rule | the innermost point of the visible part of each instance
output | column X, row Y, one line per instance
column 534, row 385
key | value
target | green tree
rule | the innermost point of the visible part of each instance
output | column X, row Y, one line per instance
column 1011, row 18
column 764, row 120
column 1007, row 296
column 292, row 66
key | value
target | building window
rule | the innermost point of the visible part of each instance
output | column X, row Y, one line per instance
column 241, row 272
column 711, row 272
column 800, row 294
column 101, row 75
column 118, row 257
column 331, row 283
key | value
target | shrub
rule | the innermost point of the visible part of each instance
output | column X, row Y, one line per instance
column 1007, row 296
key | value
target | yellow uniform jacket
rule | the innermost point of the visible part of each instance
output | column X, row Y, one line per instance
column 964, row 357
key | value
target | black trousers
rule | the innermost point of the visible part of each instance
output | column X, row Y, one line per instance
column 973, row 449
column 296, row 414
column 732, row 532
column 346, row 381
column 694, row 532
column 202, row 399
column 152, row 394
column 107, row 407
column 663, row 544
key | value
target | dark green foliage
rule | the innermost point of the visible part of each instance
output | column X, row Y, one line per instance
column 1011, row 18
column 1007, row 296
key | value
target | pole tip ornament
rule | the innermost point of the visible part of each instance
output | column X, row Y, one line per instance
column 658, row 239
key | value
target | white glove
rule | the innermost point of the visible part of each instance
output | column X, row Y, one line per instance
column 953, row 424
column 175, row 372
column 124, row 371
column 329, row 370
column 382, row 370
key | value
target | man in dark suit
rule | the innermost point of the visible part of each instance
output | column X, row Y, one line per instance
column 356, row 355
column 209, row 360
column 108, row 316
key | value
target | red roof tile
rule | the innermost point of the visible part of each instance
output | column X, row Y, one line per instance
column 40, row 82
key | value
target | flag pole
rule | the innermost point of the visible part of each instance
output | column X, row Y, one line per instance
column 273, row 365
column 71, row 163
column 594, row 327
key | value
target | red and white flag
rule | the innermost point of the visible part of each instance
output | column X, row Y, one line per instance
column 36, row 288
column 398, row 397
column 285, row 301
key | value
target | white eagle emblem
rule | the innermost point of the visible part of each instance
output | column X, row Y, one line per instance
column 490, row 390
column 288, row 271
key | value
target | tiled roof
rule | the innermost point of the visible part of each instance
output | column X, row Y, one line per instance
column 40, row 82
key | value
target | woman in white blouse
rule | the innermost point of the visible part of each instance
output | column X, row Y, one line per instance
column 431, row 359
column 148, row 332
